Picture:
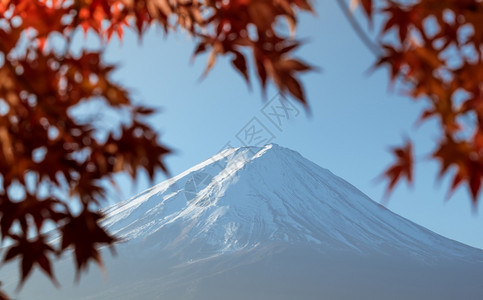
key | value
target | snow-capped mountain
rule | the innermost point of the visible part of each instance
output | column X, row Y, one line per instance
column 266, row 223
column 245, row 196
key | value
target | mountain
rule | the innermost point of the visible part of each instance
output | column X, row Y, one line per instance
column 266, row 223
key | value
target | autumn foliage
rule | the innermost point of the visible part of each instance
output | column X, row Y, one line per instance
column 55, row 165
column 435, row 49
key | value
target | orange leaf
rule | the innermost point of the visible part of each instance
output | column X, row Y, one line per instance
column 402, row 168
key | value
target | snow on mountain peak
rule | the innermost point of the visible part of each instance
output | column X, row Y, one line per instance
column 266, row 223
column 245, row 196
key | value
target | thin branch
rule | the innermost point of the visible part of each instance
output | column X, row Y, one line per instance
column 358, row 29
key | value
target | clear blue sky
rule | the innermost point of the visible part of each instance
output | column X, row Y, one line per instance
column 354, row 120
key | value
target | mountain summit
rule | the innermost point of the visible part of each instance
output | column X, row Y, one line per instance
column 266, row 223
column 246, row 196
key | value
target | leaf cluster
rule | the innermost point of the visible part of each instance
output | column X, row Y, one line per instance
column 435, row 48
column 51, row 161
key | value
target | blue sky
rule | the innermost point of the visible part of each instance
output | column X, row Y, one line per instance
column 354, row 118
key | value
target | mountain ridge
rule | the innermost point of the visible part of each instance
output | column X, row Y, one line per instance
column 264, row 223
column 235, row 185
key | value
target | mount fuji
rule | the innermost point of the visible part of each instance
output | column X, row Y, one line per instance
column 266, row 223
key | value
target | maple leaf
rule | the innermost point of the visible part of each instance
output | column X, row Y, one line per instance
column 32, row 252
column 402, row 168
column 85, row 235
column 392, row 57
column 38, row 210
column 401, row 19
column 466, row 161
